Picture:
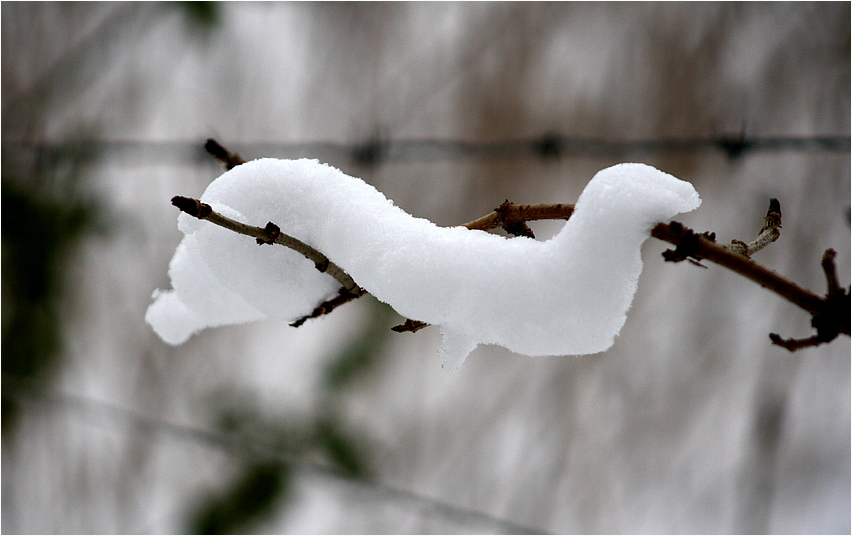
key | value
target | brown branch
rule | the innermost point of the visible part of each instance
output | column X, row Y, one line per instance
column 830, row 314
column 797, row 344
column 270, row 234
column 701, row 246
column 512, row 218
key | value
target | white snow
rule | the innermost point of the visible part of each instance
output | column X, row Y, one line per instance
column 567, row 295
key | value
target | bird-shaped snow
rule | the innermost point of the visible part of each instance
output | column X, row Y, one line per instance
column 566, row 295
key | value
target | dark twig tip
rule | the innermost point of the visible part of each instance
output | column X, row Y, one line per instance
column 830, row 270
column 793, row 345
column 344, row 295
column 409, row 325
column 774, row 206
column 191, row 206
column 777, row 340
column 215, row 149
column 772, row 220
column 231, row 160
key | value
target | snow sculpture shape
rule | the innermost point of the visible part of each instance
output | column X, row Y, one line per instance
column 566, row 295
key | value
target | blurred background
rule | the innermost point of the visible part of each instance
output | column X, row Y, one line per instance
column 692, row 422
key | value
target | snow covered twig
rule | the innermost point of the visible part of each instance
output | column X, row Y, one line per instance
column 830, row 313
column 560, row 300
column 513, row 219
column 271, row 234
column 448, row 276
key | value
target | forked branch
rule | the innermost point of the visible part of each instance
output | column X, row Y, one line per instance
column 832, row 320
column 271, row 234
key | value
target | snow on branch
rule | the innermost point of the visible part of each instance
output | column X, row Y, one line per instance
column 567, row 295
column 830, row 313
column 271, row 234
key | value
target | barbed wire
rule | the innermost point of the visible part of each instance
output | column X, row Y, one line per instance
column 377, row 150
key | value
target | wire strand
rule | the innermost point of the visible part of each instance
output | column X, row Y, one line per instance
column 377, row 150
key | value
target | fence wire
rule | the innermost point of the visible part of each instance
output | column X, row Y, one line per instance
column 377, row 150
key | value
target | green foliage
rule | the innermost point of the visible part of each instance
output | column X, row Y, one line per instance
column 251, row 497
column 44, row 219
column 202, row 17
column 364, row 351
column 261, row 485
column 341, row 449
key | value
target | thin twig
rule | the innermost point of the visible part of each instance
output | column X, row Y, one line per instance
column 797, row 344
column 769, row 233
column 511, row 217
column 344, row 295
column 231, row 160
column 701, row 246
column 830, row 270
column 266, row 235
